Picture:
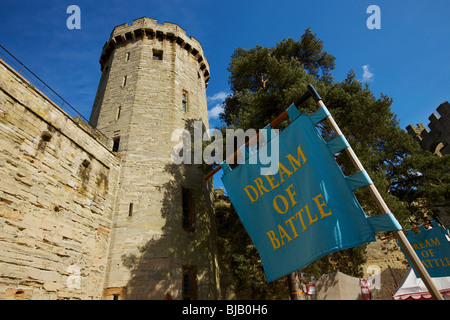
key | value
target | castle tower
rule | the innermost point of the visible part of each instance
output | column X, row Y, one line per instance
column 153, row 82
column 437, row 139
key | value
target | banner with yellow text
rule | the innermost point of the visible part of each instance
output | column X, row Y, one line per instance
column 432, row 246
column 307, row 209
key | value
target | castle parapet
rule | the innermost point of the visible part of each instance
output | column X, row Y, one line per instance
column 437, row 139
column 148, row 29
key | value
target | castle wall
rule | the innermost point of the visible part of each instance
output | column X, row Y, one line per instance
column 437, row 139
column 151, row 249
column 57, row 190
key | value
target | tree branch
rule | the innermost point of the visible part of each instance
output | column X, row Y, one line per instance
column 262, row 83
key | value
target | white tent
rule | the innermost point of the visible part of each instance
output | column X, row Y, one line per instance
column 338, row 286
column 413, row 288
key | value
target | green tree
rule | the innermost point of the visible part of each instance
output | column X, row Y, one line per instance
column 423, row 183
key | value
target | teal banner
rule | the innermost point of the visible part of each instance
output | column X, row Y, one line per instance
column 432, row 246
column 305, row 208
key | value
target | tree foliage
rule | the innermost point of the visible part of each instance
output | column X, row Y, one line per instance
column 264, row 81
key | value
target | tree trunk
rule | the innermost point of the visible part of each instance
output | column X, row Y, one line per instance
column 294, row 286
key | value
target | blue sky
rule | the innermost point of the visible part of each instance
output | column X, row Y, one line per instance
column 407, row 59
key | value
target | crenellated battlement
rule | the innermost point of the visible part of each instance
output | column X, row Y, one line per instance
column 148, row 29
column 437, row 139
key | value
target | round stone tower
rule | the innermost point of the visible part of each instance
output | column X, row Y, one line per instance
column 153, row 82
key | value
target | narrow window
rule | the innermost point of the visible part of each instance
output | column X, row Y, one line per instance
column 124, row 81
column 188, row 215
column 116, row 143
column 127, row 56
column 118, row 112
column 190, row 291
column 184, row 100
column 186, row 286
column 115, row 297
column 157, row 54
column 130, row 210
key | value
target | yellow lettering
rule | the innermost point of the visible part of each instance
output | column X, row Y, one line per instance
column 320, row 205
column 282, row 169
column 291, row 224
column 259, row 184
column 291, row 194
column 435, row 242
column 285, row 202
column 423, row 262
column 270, row 179
column 416, row 247
column 248, row 193
column 283, row 234
column 311, row 220
column 299, row 215
column 275, row 242
column 292, row 160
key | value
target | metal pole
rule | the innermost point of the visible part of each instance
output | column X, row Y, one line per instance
column 418, row 266
column 392, row 274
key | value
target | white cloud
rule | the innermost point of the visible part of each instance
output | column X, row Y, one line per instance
column 218, row 99
column 218, row 96
column 367, row 75
column 214, row 112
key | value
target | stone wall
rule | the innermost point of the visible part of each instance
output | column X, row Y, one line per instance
column 79, row 221
column 146, row 69
column 383, row 254
column 57, row 190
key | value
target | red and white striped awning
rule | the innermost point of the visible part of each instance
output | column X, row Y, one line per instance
column 413, row 288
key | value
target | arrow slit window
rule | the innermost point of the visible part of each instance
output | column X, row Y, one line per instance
column 184, row 100
column 188, row 212
column 190, row 291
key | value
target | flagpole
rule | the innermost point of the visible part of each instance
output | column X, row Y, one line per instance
column 408, row 249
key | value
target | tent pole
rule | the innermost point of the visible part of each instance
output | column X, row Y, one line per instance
column 418, row 266
column 392, row 274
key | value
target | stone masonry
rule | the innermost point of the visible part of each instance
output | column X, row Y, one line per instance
column 57, row 191
column 437, row 139
column 153, row 82
column 84, row 217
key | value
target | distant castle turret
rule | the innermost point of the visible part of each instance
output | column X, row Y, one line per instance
column 437, row 139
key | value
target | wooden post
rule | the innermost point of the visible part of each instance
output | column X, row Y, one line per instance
column 415, row 261
column 411, row 254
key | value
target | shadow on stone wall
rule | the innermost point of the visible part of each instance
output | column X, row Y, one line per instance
column 158, row 268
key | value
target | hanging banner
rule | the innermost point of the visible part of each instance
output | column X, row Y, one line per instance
column 306, row 209
column 432, row 246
